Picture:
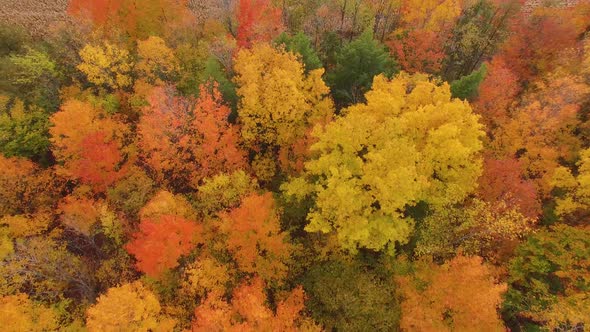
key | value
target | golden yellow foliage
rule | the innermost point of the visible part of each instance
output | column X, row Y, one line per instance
column 166, row 203
column 278, row 100
column 18, row 313
column 577, row 195
column 206, row 275
column 26, row 225
column 130, row 307
column 410, row 142
column 224, row 191
column 279, row 103
column 157, row 61
column 106, row 65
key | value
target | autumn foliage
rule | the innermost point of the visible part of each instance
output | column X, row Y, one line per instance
column 183, row 142
column 255, row 238
column 248, row 311
column 460, row 295
column 258, row 21
column 159, row 243
column 313, row 165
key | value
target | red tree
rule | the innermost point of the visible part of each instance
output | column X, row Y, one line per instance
column 537, row 39
column 496, row 93
column 258, row 21
column 503, row 180
column 100, row 162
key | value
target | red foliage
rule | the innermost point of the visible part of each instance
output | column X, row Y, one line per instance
column 496, row 93
column 538, row 39
column 159, row 243
column 258, row 21
column 503, row 180
column 99, row 162
column 419, row 51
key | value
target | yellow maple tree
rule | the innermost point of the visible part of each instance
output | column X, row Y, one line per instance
column 410, row 142
column 130, row 307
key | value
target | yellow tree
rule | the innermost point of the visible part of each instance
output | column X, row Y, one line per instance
column 577, row 189
column 410, row 142
column 477, row 228
column 130, row 307
column 458, row 296
column 106, row 65
column 157, row 61
column 166, row 203
column 224, row 191
column 279, row 103
column 19, row 313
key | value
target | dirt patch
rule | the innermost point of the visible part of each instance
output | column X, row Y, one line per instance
column 34, row 15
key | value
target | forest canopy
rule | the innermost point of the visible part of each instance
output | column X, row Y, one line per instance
column 314, row 165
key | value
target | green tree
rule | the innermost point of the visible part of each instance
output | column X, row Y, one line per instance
column 548, row 279
column 467, row 87
column 32, row 75
column 301, row 44
column 24, row 131
column 356, row 65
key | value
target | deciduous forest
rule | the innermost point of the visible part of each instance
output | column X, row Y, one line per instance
column 296, row 165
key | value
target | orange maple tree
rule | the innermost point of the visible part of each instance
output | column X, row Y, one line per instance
column 79, row 213
column 159, row 243
column 458, row 296
column 496, row 93
column 248, row 311
column 255, row 238
column 89, row 144
column 539, row 38
column 25, row 187
column 182, row 144
column 425, row 26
